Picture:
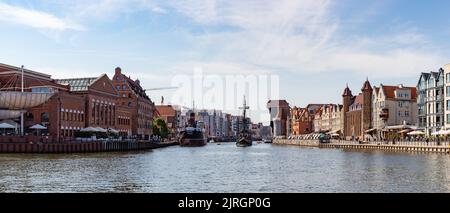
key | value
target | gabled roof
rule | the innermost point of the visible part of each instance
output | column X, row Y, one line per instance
column 389, row 91
column 347, row 92
column 136, row 87
column 366, row 86
column 166, row 110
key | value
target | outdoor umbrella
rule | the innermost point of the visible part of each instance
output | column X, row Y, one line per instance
column 89, row 129
column 416, row 133
column 113, row 131
column 38, row 127
column 5, row 126
column 440, row 132
column 101, row 129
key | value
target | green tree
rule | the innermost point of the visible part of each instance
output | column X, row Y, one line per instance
column 160, row 128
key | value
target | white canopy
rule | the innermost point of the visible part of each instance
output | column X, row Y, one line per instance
column 22, row 100
column 38, row 126
column 8, row 114
column 99, row 129
column 6, row 126
column 113, row 130
column 89, row 129
column 440, row 132
column 416, row 133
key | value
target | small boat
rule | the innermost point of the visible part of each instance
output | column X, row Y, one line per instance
column 267, row 140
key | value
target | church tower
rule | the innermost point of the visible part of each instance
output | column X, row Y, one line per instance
column 346, row 102
column 367, row 107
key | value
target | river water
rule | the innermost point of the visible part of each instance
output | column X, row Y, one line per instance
column 227, row 168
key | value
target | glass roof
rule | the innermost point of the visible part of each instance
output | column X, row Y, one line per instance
column 77, row 84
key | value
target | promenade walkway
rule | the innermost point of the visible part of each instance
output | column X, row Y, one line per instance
column 405, row 146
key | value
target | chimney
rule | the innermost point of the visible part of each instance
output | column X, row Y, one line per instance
column 118, row 71
column 138, row 82
column 400, row 86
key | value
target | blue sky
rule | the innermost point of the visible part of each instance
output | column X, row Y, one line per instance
column 315, row 46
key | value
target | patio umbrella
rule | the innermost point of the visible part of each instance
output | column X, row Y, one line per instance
column 89, row 129
column 113, row 131
column 99, row 129
column 440, row 132
column 416, row 133
column 38, row 127
column 5, row 126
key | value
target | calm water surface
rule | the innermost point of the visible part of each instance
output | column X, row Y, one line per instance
column 227, row 168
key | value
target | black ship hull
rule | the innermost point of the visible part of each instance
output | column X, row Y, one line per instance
column 244, row 142
column 193, row 142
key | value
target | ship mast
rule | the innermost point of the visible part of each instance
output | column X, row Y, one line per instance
column 245, row 107
column 21, row 112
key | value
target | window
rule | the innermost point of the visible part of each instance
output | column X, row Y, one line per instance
column 447, row 91
column 448, row 105
column 447, row 76
column 406, row 113
column 448, row 118
column 399, row 113
column 45, row 118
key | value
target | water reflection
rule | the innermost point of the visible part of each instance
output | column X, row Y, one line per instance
column 227, row 168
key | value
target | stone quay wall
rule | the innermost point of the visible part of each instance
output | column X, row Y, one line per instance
column 353, row 145
column 307, row 143
column 80, row 147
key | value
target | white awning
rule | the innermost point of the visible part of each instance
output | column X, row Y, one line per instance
column 416, row 133
column 113, row 130
column 441, row 132
column 6, row 126
column 9, row 114
column 99, row 129
column 22, row 100
column 89, row 129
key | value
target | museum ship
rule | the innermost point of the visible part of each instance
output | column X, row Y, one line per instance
column 192, row 135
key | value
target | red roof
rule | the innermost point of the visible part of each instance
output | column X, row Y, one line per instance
column 166, row 110
column 389, row 91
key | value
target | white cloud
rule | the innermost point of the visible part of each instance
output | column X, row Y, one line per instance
column 157, row 9
column 303, row 36
column 35, row 19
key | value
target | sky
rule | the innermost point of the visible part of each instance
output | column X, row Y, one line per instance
column 315, row 47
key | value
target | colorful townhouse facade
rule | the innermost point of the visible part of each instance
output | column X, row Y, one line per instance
column 430, row 102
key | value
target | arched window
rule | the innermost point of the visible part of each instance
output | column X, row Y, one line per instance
column 29, row 116
column 45, row 118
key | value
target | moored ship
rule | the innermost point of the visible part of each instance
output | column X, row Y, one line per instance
column 244, row 138
column 192, row 136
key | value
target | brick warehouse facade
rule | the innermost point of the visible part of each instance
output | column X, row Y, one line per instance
column 99, row 97
column 133, row 96
column 76, row 104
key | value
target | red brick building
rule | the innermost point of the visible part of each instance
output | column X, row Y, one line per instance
column 170, row 115
column 302, row 121
column 62, row 114
column 357, row 112
column 133, row 96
